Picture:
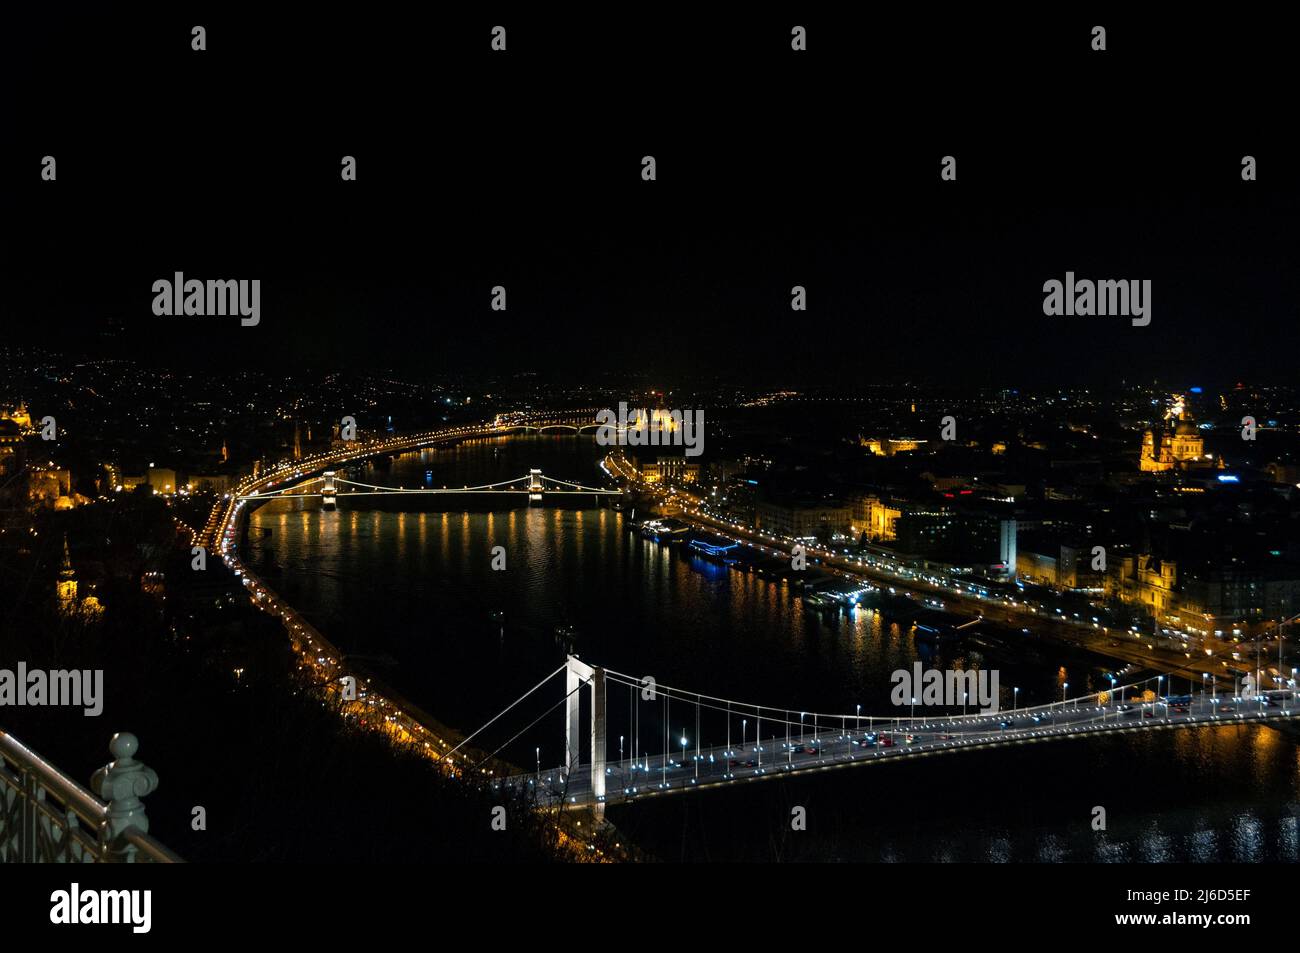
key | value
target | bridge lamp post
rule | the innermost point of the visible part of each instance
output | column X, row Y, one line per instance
column 857, row 725
column 913, row 718
column 1015, row 700
column 1160, row 684
column 684, row 750
column 1065, row 687
column 801, row 714
column 964, row 696
column 744, row 723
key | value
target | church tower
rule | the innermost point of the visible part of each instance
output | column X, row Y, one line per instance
column 67, row 584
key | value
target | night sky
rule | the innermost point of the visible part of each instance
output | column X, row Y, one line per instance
column 523, row 169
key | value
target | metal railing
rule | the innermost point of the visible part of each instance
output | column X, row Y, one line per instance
column 46, row 817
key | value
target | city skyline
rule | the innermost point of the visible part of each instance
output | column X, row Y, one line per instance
column 487, row 441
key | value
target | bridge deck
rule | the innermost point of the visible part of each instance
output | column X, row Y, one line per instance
column 651, row 775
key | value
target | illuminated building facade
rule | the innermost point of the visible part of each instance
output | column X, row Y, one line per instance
column 19, row 415
column 676, row 469
column 803, row 520
column 1144, row 580
column 1177, row 444
column 875, row 517
column 886, row 447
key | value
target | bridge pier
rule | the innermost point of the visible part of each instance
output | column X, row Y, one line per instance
column 577, row 674
column 598, row 741
column 328, row 492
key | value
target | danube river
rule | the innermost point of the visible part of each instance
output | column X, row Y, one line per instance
column 406, row 588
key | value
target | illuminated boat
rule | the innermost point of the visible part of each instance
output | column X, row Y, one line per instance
column 716, row 548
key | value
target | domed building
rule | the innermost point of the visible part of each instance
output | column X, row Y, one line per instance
column 19, row 415
column 1177, row 444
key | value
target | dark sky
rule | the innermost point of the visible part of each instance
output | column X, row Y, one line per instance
column 523, row 170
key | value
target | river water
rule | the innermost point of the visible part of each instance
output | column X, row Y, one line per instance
column 407, row 589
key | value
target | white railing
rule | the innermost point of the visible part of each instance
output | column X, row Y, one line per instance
column 47, row 817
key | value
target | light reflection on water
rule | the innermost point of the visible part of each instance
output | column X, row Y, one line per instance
column 412, row 591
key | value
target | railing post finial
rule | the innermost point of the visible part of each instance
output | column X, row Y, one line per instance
column 122, row 782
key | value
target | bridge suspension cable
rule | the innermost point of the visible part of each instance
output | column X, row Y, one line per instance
column 407, row 489
column 283, row 489
column 830, row 740
column 576, row 486
column 516, row 735
column 494, row 718
column 521, row 484
column 732, row 705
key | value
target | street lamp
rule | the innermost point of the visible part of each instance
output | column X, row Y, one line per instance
column 1015, row 699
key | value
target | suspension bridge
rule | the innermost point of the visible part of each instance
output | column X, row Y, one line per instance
column 676, row 741
column 534, row 484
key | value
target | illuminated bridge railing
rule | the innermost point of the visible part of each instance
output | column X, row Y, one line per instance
column 47, row 817
column 660, row 755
